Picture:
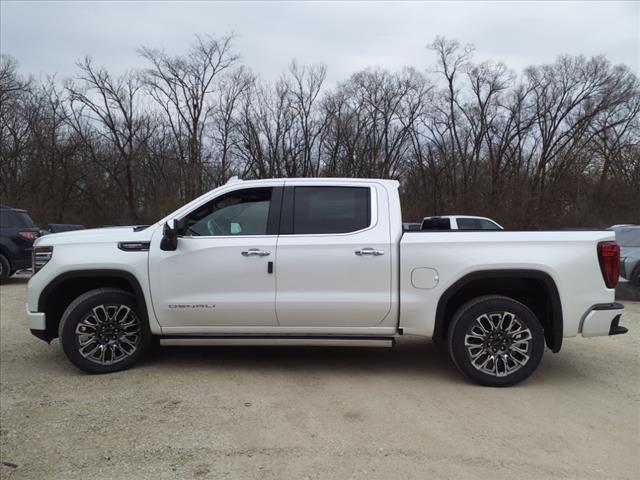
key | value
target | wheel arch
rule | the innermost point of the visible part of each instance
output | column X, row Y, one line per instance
column 66, row 287
column 534, row 288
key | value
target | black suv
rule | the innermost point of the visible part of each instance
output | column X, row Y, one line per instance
column 17, row 234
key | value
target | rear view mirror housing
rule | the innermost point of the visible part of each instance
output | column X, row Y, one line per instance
column 170, row 233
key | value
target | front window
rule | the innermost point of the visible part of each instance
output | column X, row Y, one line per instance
column 242, row 212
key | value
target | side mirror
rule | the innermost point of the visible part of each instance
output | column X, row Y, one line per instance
column 169, row 240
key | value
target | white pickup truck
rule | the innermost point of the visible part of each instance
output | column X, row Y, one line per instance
column 320, row 262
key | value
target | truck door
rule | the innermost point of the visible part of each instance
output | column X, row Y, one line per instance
column 220, row 276
column 334, row 256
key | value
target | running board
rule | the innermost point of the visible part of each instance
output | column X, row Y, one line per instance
column 278, row 341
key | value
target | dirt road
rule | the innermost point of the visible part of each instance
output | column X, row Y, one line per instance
column 294, row 413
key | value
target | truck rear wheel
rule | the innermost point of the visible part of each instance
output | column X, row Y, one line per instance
column 102, row 331
column 496, row 341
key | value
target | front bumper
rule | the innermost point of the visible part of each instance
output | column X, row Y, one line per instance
column 36, row 320
column 603, row 319
column 38, row 325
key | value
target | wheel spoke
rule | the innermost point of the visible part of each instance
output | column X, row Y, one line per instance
column 472, row 339
column 496, row 320
column 90, row 352
column 121, row 314
column 100, row 314
column 479, row 352
column 509, row 317
column 520, row 362
column 127, row 342
column 523, row 348
column 483, row 327
column 89, row 340
column 102, row 350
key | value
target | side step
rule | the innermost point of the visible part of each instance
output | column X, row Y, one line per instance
column 278, row 341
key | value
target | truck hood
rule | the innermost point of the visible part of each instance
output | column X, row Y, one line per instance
column 97, row 235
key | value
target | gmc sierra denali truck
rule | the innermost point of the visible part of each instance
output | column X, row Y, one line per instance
column 320, row 262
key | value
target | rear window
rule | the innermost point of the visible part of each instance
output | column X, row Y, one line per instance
column 436, row 224
column 331, row 209
column 628, row 238
column 15, row 219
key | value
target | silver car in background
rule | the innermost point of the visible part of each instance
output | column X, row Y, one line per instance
column 459, row 222
column 628, row 237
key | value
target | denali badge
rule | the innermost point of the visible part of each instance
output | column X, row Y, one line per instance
column 192, row 305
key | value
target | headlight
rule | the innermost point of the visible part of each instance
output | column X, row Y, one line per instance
column 40, row 257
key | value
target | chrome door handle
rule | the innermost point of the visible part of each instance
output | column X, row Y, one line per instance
column 370, row 252
column 255, row 252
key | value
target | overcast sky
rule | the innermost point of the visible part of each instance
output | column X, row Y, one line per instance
column 49, row 36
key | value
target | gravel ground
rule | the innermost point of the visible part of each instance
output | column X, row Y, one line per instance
column 298, row 413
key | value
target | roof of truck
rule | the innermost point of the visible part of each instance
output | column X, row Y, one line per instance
column 234, row 180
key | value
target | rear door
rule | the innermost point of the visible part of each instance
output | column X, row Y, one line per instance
column 334, row 256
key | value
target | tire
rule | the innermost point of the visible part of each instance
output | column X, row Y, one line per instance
column 475, row 347
column 104, row 331
column 5, row 269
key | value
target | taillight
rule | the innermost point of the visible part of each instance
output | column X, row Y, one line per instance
column 40, row 257
column 30, row 236
column 609, row 257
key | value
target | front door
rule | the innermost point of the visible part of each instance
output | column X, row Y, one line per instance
column 220, row 275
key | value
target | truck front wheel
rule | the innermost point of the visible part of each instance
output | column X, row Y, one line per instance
column 102, row 331
column 496, row 341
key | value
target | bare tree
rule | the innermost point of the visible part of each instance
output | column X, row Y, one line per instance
column 556, row 145
column 183, row 86
column 110, row 106
column 305, row 85
column 226, row 120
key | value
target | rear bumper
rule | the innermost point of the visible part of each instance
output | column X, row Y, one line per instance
column 603, row 319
